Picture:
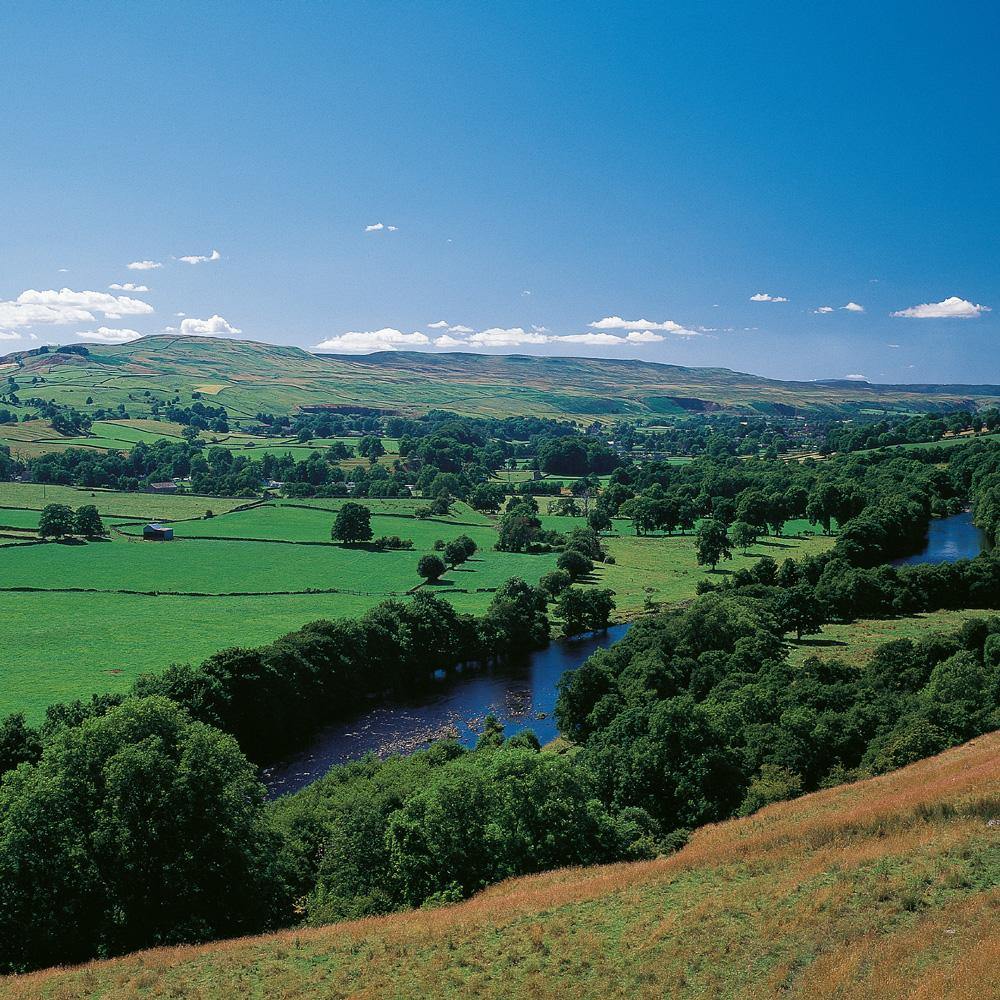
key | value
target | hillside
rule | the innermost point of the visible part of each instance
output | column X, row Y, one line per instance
column 250, row 377
column 886, row 888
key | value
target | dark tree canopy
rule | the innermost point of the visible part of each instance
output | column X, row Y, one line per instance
column 136, row 828
column 56, row 520
column 352, row 524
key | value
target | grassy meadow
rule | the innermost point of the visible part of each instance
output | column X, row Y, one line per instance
column 856, row 641
column 883, row 888
column 89, row 617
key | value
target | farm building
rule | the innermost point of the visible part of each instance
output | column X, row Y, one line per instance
column 157, row 533
column 163, row 487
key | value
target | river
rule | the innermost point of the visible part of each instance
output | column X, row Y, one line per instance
column 521, row 693
column 948, row 540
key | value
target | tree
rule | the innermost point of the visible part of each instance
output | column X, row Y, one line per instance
column 88, row 522
column 773, row 784
column 641, row 511
column 555, row 583
column 18, row 743
column 744, row 535
column 55, row 521
column 575, row 563
column 518, row 528
column 371, row 447
column 584, row 610
column 352, row 524
column 431, row 567
column 455, row 553
column 712, row 543
column 492, row 735
column 801, row 610
column 598, row 519
column 137, row 827
column 751, row 506
column 486, row 497
column 458, row 550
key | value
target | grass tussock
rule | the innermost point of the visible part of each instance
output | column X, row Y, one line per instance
column 885, row 888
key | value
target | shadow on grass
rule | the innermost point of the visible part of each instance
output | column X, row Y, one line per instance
column 819, row 642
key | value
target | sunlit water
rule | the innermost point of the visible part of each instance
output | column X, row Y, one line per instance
column 521, row 693
column 948, row 540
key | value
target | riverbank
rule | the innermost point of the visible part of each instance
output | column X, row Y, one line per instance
column 521, row 692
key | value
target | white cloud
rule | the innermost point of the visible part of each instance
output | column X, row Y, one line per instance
column 377, row 227
column 594, row 339
column 646, row 336
column 767, row 297
column 58, row 308
column 445, row 341
column 199, row 259
column 853, row 307
column 511, row 337
column 9, row 335
column 128, row 287
column 109, row 335
column 210, row 327
column 460, row 329
column 441, row 324
column 144, row 265
column 617, row 323
column 361, row 342
column 824, row 309
column 856, row 378
column 950, row 308
column 894, row 346
column 643, row 326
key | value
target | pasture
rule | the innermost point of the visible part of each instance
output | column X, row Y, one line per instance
column 84, row 618
column 856, row 641
column 90, row 617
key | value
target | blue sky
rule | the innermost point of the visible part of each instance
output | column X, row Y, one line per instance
column 545, row 166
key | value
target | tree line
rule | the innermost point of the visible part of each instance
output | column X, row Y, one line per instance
column 143, row 824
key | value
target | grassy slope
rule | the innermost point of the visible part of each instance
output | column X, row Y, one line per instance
column 248, row 377
column 886, row 888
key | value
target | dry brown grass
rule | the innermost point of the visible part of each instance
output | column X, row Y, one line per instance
column 885, row 888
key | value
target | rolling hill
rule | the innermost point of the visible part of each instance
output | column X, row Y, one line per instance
column 885, row 888
column 249, row 377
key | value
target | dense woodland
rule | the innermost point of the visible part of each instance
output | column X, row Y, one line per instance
column 130, row 821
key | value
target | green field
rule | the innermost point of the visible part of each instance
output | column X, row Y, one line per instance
column 665, row 570
column 950, row 442
column 90, row 617
column 149, row 506
column 78, row 629
column 856, row 641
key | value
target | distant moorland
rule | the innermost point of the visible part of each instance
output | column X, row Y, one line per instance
column 248, row 377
